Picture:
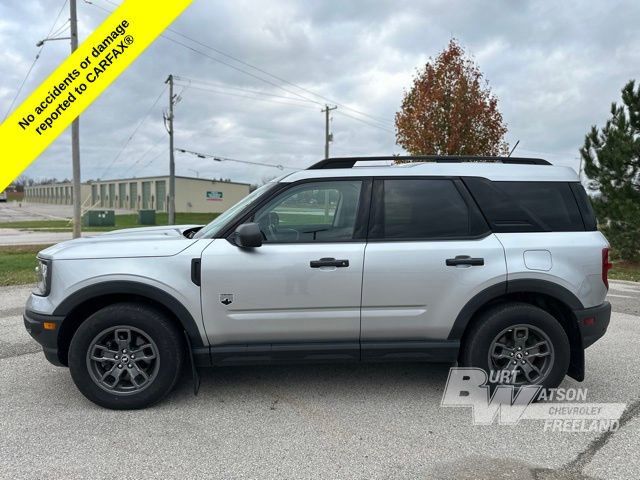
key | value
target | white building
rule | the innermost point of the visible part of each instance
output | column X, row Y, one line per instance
column 192, row 194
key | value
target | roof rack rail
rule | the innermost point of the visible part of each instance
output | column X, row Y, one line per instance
column 349, row 162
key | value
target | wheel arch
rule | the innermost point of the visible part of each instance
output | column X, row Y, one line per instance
column 81, row 304
column 551, row 297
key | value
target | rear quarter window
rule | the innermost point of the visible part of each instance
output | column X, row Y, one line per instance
column 527, row 206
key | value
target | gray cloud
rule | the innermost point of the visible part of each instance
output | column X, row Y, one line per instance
column 555, row 67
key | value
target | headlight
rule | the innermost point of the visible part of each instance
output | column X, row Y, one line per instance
column 43, row 277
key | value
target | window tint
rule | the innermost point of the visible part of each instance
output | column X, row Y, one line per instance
column 312, row 212
column 584, row 204
column 527, row 206
column 421, row 209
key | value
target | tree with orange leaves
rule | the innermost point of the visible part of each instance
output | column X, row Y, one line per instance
column 450, row 110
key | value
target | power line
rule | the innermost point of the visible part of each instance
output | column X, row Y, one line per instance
column 231, row 94
column 219, row 158
column 63, row 28
column 26, row 77
column 240, row 89
column 155, row 145
column 258, row 69
column 365, row 122
column 135, row 130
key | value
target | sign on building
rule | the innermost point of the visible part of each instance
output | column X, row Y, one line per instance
column 214, row 196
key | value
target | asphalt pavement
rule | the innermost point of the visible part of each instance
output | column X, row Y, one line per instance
column 11, row 212
column 319, row 421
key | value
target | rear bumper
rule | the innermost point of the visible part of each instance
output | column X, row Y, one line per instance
column 48, row 338
column 593, row 323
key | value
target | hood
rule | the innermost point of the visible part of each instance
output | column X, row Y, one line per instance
column 170, row 230
column 161, row 241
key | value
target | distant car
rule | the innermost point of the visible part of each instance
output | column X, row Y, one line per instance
column 3, row 196
column 494, row 263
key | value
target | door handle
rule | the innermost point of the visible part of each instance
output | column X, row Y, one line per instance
column 464, row 260
column 328, row 262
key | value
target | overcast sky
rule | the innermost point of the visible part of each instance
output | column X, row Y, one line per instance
column 555, row 67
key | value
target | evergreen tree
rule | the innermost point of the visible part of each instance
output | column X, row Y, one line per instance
column 612, row 163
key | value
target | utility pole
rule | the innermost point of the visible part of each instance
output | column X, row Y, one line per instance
column 75, row 135
column 328, row 137
column 172, row 164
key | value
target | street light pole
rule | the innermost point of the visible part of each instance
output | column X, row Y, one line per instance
column 75, row 135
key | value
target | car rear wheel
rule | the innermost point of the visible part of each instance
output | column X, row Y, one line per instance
column 126, row 356
column 524, row 341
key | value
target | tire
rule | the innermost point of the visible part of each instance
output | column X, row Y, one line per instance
column 136, row 378
column 499, row 325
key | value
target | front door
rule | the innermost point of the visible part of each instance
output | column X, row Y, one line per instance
column 289, row 291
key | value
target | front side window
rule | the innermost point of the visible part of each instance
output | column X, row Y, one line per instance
column 414, row 209
column 216, row 226
column 312, row 212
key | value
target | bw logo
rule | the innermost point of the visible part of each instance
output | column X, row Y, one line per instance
column 226, row 298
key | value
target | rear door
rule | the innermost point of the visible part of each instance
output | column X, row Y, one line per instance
column 429, row 252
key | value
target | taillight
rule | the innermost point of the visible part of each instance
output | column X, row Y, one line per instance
column 606, row 266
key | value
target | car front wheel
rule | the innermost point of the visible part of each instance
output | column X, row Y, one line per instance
column 126, row 356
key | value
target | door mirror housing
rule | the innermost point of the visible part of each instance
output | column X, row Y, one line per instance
column 248, row 235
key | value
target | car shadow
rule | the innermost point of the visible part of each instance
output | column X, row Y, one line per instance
column 339, row 380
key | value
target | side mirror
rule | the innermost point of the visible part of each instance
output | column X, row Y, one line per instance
column 248, row 235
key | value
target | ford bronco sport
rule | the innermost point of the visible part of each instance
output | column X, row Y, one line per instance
column 489, row 262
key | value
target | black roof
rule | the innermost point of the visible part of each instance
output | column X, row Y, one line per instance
column 349, row 162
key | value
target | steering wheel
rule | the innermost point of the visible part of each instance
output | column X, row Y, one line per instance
column 269, row 223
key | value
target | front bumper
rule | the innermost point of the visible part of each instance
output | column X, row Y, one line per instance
column 593, row 323
column 47, row 337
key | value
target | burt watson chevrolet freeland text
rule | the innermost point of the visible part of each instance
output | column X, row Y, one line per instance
column 78, row 80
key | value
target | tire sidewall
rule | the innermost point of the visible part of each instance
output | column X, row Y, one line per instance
column 156, row 326
column 494, row 321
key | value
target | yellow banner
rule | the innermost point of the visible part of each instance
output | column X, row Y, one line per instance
column 80, row 79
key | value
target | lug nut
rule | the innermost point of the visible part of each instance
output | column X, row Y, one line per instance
column 512, row 354
column 124, row 350
column 117, row 357
column 526, row 353
column 523, row 362
column 133, row 356
column 519, row 348
column 515, row 363
column 119, row 365
column 131, row 366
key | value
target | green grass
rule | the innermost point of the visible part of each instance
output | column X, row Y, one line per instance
column 122, row 221
column 17, row 264
column 625, row 271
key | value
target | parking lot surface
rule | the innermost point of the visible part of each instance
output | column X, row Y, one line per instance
column 327, row 421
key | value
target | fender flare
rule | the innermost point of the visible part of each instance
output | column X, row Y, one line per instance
column 545, row 287
column 123, row 287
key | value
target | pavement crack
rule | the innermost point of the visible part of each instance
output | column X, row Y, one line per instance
column 584, row 458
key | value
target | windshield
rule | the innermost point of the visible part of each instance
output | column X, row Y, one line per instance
column 210, row 230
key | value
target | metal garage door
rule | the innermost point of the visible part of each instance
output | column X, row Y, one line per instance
column 112, row 194
column 146, row 195
column 103, row 195
column 122, row 193
column 133, row 196
column 161, row 192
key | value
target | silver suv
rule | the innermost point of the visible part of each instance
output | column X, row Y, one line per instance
column 489, row 262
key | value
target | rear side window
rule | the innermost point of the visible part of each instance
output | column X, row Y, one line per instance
column 584, row 204
column 527, row 206
column 419, row 209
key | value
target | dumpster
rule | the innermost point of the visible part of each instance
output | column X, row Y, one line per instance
column 99, row 218
column 146, row 217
